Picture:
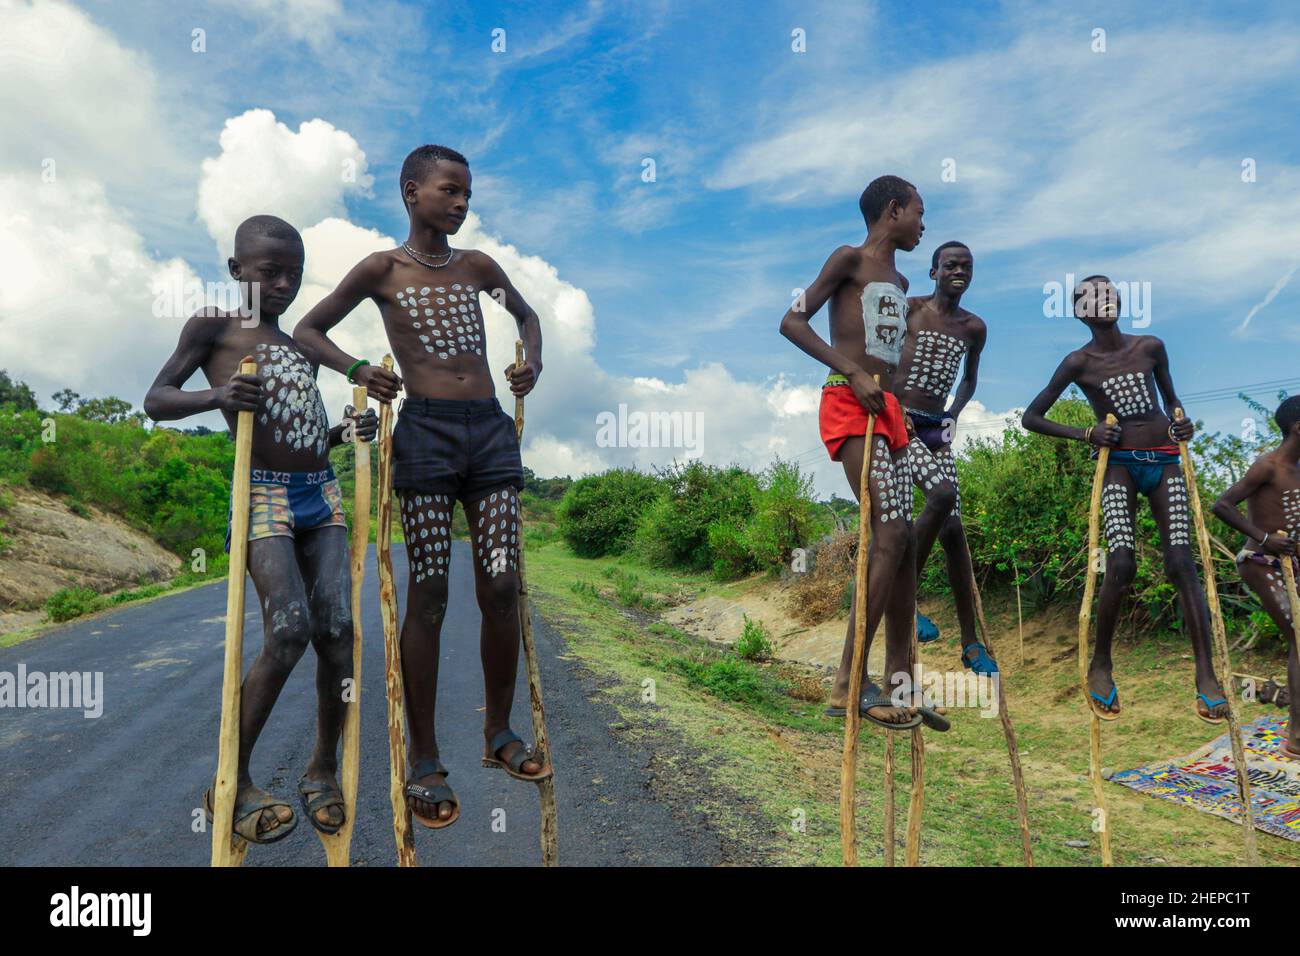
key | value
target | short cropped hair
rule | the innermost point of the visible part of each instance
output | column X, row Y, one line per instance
column 875, row 198
column 1287, row 414
column 954, row 244
column 420, row 161
column 272, row 227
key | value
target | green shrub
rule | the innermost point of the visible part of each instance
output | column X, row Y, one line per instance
column 730, row 546
column 675, row 529
column 725, row 678
column 755, row 642
column 786, row 516
column 599, row 514
column 68, row 603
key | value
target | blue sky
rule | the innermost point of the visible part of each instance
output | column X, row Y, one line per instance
column 1067, row 159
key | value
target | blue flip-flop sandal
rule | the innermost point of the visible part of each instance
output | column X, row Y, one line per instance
column 1106, row 702
column 1210, row 705
column 981, row 663
column 926, row 629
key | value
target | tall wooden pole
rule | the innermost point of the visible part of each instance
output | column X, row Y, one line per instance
column 1085, row 623
column 916, row 805
column 392, row 641
column 1008, row 732
column 1220, row 637
column 337, row 845
column 1288, row 574
column 852, row 720
column 546, row 788
column 224, row 851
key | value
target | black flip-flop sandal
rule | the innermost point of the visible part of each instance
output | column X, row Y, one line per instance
column 324, row 797
column 432, row 795
column 511, row 766
column 873, row 698
column 254, row 808
column 929, row 716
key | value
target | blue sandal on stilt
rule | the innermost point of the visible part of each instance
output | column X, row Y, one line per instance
column 1106, row 702
column 1210, row 705
column 981, row 662
column 926, row 629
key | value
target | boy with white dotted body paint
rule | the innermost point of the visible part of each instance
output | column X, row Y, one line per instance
column 867, row 300
column 1271, row 490
column 452, row 441
column 942, row 337
column 297, row 536
column 1119, row 374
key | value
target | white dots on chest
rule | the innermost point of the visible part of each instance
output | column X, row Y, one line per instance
column 1129, row 393
column 935, row 362
column 447, row 318
column 291, row 405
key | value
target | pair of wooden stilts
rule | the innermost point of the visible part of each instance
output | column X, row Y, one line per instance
column 1101, row 817
column 852, row 720
column 228, row 849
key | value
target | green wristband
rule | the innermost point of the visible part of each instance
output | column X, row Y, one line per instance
column 354, row 366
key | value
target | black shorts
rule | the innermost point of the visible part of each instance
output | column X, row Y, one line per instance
column 457, row 448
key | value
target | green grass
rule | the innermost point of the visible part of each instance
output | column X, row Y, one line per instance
column 764, row 745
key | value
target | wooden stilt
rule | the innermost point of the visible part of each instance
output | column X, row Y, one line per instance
column 546, row 788
column 852, row 720
column 1220, row 638
column 1102, row 823
column 402, row 834
column 225, row 852
column 338, row 845
column 916, row 804
column 1020, row 622
column 890, row 801
column 1008, row 732
column 1288, row 574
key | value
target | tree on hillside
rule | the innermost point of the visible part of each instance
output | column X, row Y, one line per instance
column 110, row 409
column 16, row 393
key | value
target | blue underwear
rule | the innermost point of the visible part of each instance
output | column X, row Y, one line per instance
column 930, row 428
column 1146, row 466
column 283, row 503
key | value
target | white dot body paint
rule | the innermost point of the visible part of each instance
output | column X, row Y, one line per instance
column 935, row 363
column 1117, row 522
column 1130, row 393
column 292, row 399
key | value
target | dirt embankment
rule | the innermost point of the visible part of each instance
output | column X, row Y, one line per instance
column 50, row 547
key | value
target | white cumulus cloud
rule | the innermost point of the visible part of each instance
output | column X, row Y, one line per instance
column 265, row 167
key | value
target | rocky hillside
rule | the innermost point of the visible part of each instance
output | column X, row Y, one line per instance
column 50, row 547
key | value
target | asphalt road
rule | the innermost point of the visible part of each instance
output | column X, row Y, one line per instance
column 122, row 788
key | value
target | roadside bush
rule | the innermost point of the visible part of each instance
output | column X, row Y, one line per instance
column 786, row 515
column 675, row 529
column 599, row 514
column 68, row 603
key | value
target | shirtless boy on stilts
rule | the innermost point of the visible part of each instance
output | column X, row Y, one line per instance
column 1271, row 490
column 868, row 322
column 452, row 442
column 297, row 537
column 941, row 336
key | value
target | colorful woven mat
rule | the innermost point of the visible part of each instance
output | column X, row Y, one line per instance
column 1206, row 780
